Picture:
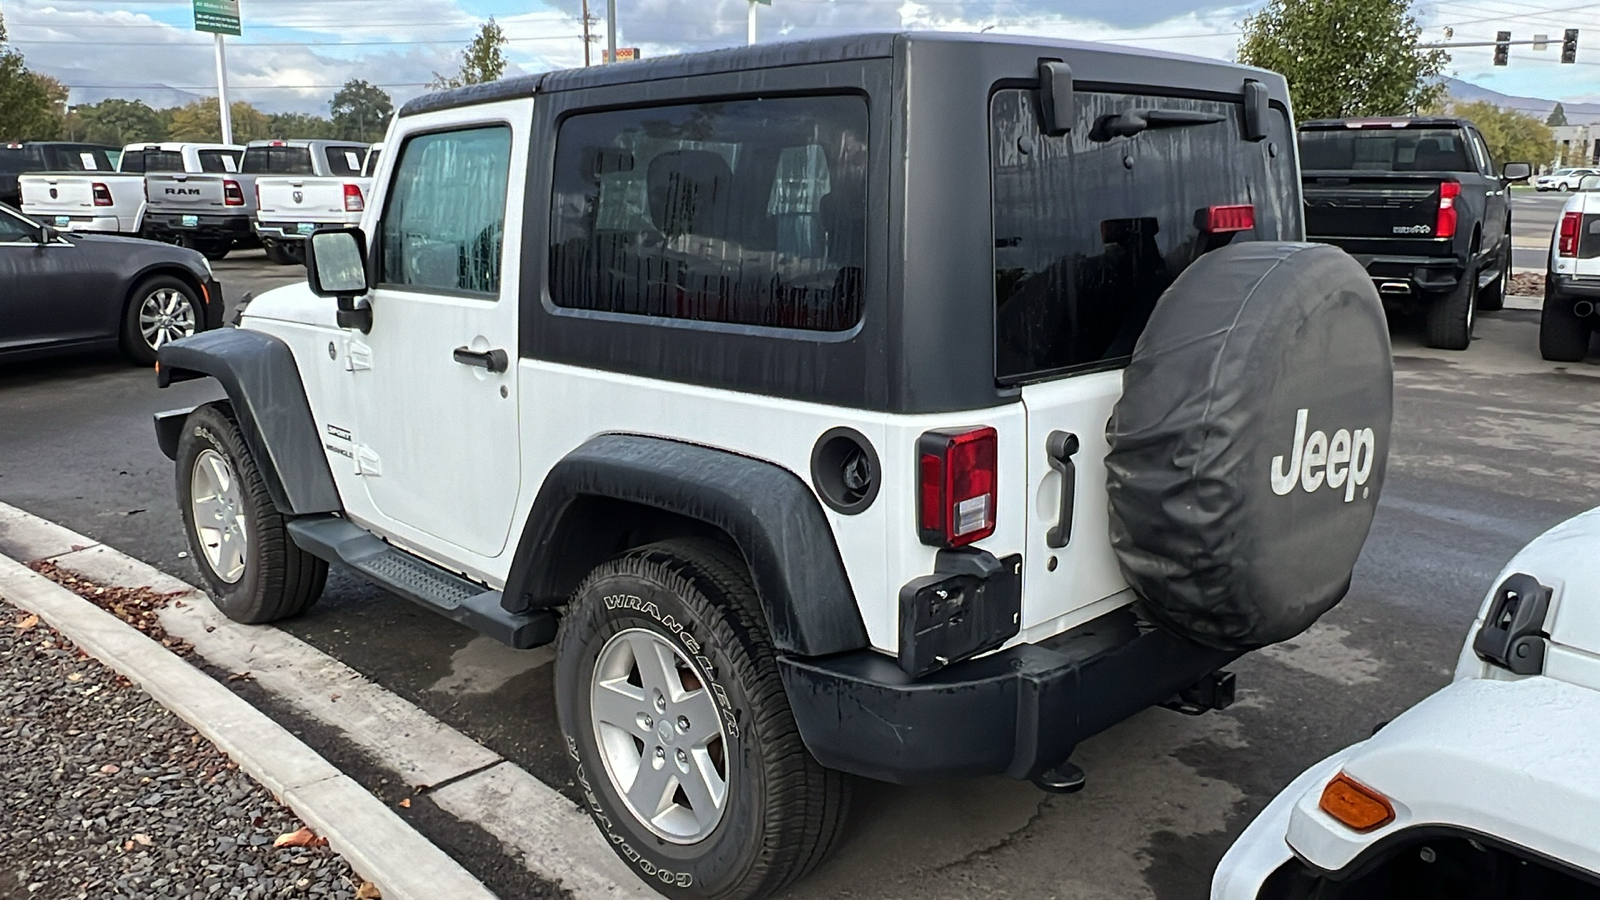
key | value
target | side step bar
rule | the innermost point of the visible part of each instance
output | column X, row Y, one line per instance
column 336, row 540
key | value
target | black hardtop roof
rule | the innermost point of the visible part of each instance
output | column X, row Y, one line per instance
column 1354, row 122
column 818, row 50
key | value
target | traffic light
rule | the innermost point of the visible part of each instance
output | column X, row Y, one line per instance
column 1502, row 47
column 1569, row 46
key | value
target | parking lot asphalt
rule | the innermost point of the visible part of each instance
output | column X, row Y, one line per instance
column 1492, row 446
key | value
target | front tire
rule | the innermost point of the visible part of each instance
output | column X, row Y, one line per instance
column 655, row 645
column 1452, row 316
column 1563, row 336
column 253, row 571
column 160, row 310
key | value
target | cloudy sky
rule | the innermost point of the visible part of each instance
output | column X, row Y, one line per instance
column 295, row 53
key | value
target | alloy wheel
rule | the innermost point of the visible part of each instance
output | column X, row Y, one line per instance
column 218, row 511
column 166, row 315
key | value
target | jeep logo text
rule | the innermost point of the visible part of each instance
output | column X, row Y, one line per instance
column 1344, row 460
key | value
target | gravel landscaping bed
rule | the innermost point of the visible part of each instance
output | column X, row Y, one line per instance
column 1527, row 284
column 107, row 795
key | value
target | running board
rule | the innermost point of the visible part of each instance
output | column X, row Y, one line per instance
column 1487, row 278
column 337, row 540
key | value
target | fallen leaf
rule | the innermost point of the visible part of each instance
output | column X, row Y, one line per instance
column 143, row 840
column 368, row 891
column 241, row 676
column 27, row 622
column 406, row 803
column 127, row 846
column 305, row 837
column 74, row 676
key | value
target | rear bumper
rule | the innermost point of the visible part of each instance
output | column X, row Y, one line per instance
column 286, row 232
column 78, row 223
column 1575, row 287
column 1016, row 712
column 205, row 225
column 1418, row 274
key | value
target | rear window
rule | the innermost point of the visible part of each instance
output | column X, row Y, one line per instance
column 163, row 161
column 1589, row 237
column 219, row 161
column 277, row 161
column 1386, row 149
column 744, row 212
column 344, row 160
column 1090, row 229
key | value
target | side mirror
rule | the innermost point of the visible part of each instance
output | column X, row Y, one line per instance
column 336, row 266
column 44, row 235
column 1516, row 171
column 1589, row 183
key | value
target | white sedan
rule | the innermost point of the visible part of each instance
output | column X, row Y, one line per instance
column 1562, row 179
column 1487, row 790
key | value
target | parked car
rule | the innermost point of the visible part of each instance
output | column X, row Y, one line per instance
column 1571, row 313
column 1563, row 179
column 1487, row 790
column 1419, row 202
column 48, row 156
column 215, row 213
column 63, row 291
column 115, row 203
column 290, row 207
column 792, row 434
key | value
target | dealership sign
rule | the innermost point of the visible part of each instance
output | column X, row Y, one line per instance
column 217, row 16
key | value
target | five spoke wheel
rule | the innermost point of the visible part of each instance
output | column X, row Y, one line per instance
column 219, row 514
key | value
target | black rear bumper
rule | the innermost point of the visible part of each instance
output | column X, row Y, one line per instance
column 208, row 226
column 1420, row 274
column 1017, row 712
column 1575, row 288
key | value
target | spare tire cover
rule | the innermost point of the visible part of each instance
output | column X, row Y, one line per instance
column 1249, row 446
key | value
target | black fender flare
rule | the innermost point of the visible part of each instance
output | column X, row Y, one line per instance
column 262, row 381
column 769, row 513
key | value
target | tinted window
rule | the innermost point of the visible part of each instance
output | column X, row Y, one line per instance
column 344, row 160
column 131, row 163
column 277, row 161
column 13, row 160
column 750, row 212
column 13, row 228
column 443, row 226
column 370, row 167
column 163, row 161
column 1386, row 149
column 219, row 161
column 1090, row 229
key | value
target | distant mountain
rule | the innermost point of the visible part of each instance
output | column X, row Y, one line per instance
column 1577, row 113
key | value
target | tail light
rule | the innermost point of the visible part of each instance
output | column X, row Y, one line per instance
column 1568, row 245
column 232, row 194
column 353, row 201
column 102, row 194
column 1445, row 226
column 956, row 486
column 1225, row 219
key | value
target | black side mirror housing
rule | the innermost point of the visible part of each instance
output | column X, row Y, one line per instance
column 44, row 235
column 1516, row 171
column 336, row 266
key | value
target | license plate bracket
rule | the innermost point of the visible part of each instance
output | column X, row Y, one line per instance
column 63, row 221
column 306, row 228
column 191, row 221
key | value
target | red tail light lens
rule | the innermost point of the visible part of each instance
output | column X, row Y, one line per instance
column 1224, row 219
column 102, row 194
column 956, row 486
column 232, row 194
column 353, row 201
column 1568, row 245
column 1445, row 226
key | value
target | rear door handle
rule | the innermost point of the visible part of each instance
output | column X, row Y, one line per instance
column 1061, row 446
column 493, row 360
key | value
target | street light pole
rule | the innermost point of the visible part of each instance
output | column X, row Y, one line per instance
column 750, row 25
column 222, row 92
column 611, row 30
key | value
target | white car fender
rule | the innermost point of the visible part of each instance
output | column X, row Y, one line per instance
column 1261, row 849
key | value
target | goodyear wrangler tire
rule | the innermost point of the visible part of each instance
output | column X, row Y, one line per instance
column 1249, row 446
column 675, row 719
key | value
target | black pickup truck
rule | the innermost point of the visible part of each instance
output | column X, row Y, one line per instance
column 1419, row 202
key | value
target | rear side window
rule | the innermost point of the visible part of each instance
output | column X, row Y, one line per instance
column 219, row 161
column 443, row 227
column 1091, row 228
column 746, row 212
column 1386, row 149
column 1589, row 237
column 370, row 167
column 277, row 161
column 343, row 160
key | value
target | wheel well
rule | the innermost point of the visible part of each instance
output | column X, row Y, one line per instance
column 178, row 272
column 594, row 529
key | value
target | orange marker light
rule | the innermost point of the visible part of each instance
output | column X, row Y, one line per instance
column 1356, row 806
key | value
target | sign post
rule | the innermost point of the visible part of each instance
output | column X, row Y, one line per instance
column 220, row 17
column 750, row 24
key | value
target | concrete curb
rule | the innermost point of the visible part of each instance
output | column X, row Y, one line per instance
column 372, row 838
column 532, row 821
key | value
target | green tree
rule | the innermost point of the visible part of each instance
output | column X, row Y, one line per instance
column 483, row 60
column 1558, row 116
column 29, row 105
column 1345, row 57
column 120, row 122
column 361, row 111
column 301, row 127
column 198, row 121
column 1512, row 136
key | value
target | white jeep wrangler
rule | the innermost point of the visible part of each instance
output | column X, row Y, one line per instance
column 815, row 399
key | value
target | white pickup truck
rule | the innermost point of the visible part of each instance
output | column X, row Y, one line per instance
column 289, row 207
column 214, row 213
column 114, row 202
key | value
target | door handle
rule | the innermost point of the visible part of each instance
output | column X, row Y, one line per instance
column 493, row 360
column 1060, row 448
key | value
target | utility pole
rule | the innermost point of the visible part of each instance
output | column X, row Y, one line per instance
column 611, row 30
column 586, row 34
column 222, row 92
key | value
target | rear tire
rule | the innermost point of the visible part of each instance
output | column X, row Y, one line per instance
column 214, row 251
column 1563, row 336
column 1452, row 316
column 690, row 602
column 278, row 254
column 253, row 571
column 1493, row 297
